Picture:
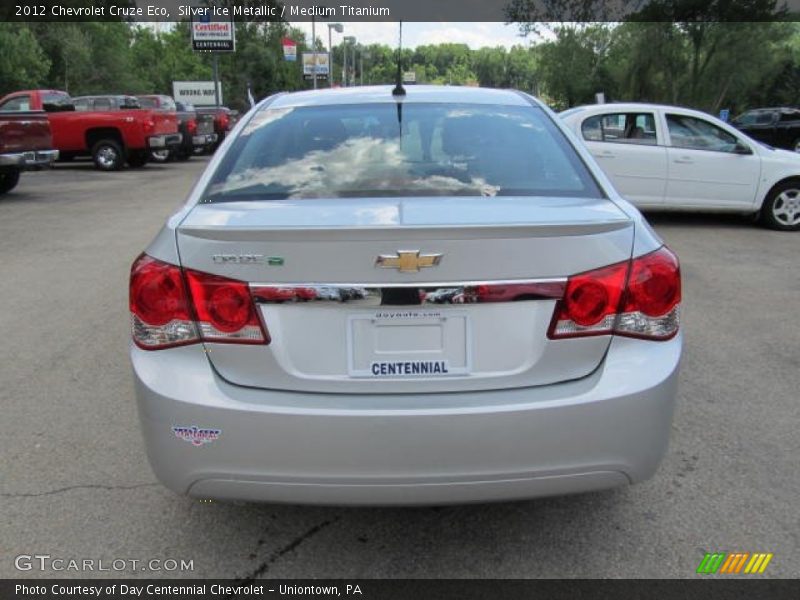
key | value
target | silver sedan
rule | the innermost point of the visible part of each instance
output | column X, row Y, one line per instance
column 419, row 298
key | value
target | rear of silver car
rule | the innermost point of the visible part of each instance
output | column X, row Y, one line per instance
column 340, row 343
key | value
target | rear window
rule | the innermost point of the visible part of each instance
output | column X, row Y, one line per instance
column 395, row 150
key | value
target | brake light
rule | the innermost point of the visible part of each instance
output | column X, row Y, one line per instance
column 638, row 298
column 652, row 301
column 159, row 305
column 222, row 121
column 165, row 312
column 191, row 126
column 225, row 310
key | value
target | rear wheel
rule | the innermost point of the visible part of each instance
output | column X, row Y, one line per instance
column 160, row 156
column 107, row 155
column 781, row 209
column 9, row 178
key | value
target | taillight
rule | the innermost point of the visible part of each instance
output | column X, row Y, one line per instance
column 191, row 126
column 223, row 121
column 652, row 301
column 160, row 312
column 225, row 310
column 165, row 313
column 637, row 298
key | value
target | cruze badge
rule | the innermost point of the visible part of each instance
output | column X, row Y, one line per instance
column 407, row 261
column 247, row 259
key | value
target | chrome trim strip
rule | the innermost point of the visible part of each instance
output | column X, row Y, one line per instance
column 377, row 294
column 417, row 284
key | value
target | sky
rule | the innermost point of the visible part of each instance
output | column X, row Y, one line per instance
column 475, row 35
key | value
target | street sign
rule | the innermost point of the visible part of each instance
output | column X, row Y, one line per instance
column 213, row 36
column 724, row 114
column 410, row 77
column 289, row 49
column 199, row 93
column 322, row 69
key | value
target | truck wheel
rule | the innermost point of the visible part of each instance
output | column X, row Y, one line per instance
column 160, row 156
column 107, row 155
column 781, row 209
column 9, row 178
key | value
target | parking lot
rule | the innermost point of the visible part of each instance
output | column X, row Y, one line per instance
column 76, row 484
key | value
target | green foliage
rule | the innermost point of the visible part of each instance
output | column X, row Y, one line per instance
column 701, row 61
column 24, row 63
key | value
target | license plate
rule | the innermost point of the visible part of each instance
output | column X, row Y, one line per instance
column 407, row 344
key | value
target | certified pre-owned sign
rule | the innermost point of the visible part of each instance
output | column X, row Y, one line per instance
column 213, row 36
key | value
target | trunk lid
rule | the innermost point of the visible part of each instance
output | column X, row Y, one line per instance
column 358, row 318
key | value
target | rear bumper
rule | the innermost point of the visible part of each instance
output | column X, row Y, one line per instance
column 157, row 142
column 33, row 159
column 605, row 430
column 204, row 139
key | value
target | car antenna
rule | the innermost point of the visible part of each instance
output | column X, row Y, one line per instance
column 399, row 90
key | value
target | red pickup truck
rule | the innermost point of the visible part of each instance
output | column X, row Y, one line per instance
column 25, row 144
column 110, row 137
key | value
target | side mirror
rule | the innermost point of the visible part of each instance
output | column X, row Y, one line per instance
column 742, row 148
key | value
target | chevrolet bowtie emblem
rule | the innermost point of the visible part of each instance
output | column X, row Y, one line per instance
column 407, row 261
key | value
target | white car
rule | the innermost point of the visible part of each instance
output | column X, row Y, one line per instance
column 668, row 157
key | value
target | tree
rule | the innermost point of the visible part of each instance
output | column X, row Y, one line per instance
column 24, row 62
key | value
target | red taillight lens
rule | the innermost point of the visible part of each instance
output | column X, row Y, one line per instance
column 191, row 126
column 223, row 121
column 590, row 302
column 160, row 313
column 654, row 286
column 225, row 310
column 638, row 298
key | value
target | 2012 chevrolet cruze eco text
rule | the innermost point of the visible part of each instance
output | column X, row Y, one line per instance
column 375, row 298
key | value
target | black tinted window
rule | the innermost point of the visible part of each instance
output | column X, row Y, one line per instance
column 414, row 150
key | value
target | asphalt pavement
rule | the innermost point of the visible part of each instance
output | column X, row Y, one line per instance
column 75, row 482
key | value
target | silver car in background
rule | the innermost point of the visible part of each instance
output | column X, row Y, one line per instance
column 428, row 298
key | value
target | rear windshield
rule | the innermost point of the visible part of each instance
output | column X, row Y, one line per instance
column 395, row 150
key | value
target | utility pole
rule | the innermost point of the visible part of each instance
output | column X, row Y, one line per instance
column 349, row 39
column 314, row 47
column 339, row 29
column 215, row 67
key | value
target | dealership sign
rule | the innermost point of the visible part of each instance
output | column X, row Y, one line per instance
column 213, row 36
column 322, row 65
column 199, row 93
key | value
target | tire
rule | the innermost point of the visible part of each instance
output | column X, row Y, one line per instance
column 107, row 155
column 9, row 178
column 138, row 159
column 781, row 209
column 161, row 156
